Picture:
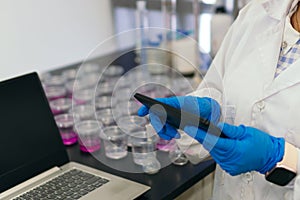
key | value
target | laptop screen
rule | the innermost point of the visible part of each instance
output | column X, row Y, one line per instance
column 30, row 142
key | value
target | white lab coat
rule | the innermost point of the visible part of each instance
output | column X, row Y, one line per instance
column 241, row 79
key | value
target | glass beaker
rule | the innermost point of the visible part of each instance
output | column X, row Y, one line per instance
column 143, row 147
column 65, row 123
column 60, row 106
column 115, row 142
column 89, row 135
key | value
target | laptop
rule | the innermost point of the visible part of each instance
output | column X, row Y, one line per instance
column 34, row 161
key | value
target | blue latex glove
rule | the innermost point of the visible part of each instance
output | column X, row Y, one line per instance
column 246, row 148
column 204, row 107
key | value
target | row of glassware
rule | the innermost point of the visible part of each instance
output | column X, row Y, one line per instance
column 94, row 105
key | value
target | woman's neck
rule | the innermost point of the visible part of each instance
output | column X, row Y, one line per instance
column 295, row 19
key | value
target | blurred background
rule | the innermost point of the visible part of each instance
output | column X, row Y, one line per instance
column 46, row 35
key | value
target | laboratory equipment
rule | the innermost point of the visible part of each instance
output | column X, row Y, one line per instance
column 83, row 112
column 142, row 25
column 55, row 92
column 65, row 123
column 143, row 147
column 84, row 96
column 88, row 135
column 54, row 80
column 104, row 102
column 106, row 117
column 115, row 142
column 60, row 106
column 176, row 156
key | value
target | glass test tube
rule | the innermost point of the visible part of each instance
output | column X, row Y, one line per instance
column 141, row 24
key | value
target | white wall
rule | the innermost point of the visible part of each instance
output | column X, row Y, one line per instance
column 46, row 34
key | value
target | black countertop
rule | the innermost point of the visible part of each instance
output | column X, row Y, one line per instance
column 168, row 183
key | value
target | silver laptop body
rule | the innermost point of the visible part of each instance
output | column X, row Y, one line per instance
column 117, row 188
column 31, row 150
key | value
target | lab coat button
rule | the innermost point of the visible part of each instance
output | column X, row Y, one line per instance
column 247, row 177
column 284, row 44
column 261, row 105
column 288, row 135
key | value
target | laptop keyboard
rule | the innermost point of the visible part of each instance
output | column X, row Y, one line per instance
column 70, row 185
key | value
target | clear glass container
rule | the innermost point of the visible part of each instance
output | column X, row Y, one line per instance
column 83, row 112
column 113, row 70
column 104, row 102
column 115, row 142
column 89, row 135
column 143, row 147
column 152, row 166
column 122, row 94
column 55, row 92
column 69, row 74
column 106, row 117
column 141, row 36
column 90, row 67
column 60, row 106
column 90, row 80
column 65, row 123
column 54, row 80
column 84, row 96
column 176, row 156
column 75, row 85
column 131, row 123
column 126, row 108
column 105, row 89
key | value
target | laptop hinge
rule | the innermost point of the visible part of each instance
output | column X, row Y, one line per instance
column 29, row 182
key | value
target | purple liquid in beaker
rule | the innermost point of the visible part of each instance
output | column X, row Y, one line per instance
column 165, row 145
column 65, row 125
column 69, row 138
column 60, row 106
column 56, row 112
column 80, row 102
column 89, row 145
column 56, row 97
column 55, row 92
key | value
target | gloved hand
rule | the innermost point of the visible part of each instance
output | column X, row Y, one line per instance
column 246, row 148
column 205, row 107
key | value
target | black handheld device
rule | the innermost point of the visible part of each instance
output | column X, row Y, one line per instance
column 178, row 118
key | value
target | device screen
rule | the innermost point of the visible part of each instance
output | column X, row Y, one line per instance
column 29, row 139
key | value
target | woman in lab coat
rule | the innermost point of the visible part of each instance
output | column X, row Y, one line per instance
column 255, row 78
